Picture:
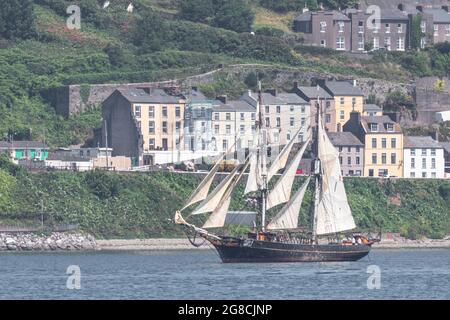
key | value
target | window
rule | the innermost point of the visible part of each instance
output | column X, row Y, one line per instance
column 303, row 109
column 357, row 160
column 292, row 121
column 374, row 142
column 164, row 127
column 400, row 44
column 137, row 111
column 225, row 145
column 340, row 149
column 242, row 116
column 412, row 175
column 138, row 124
column 203, row 127
column 374, row 127
column 151, row 144
column 360, row 26
column 341, row 26
column 151, row 127
column 374, row 158
column 342, row 100
column 278, row 122
column 424, row 174
column 383, row 143
column 288, row 136
column 164, row 112
column 433, row 174
column 433, row 163
column 376, row 42
column 413, row 152
column 276, row 137
column 361, row 42
column 216, row 129
column 447, row 30
column 253, row 116
column 424, row 163
column 278, row 109
column 383, row 173
column 393, row 158
column 177, row 126
column 342, row 115
column 390, row 127
column 323, row 26
column 423, row 43
column 242, row 129
column 228, row 116
column 413, row 163
column 423, row 26
column 349, row 149
column 267, row 122
column 323, row 43
column 370, row 172
column 267, row 109
column 151, row 111
column 358, row 173
column 436, row 30
column 302, row 122
column 216, row 116
column 300, row 137
column 228, row 129
column 388, row 28
column 424, row 152
column 340, row 160
column 349, row 160
column 387, row 43
column 327, row 118
column 358, row 149
column 177, row 112
column 253, row 128
column 292, row 109
column 383, row 158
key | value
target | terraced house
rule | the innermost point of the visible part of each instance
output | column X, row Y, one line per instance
column 383, row 141
column 424, row 158
column 138, row 122
column 24, row 150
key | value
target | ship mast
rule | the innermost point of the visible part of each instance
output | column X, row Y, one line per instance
column 317, row 170
column 261, row 156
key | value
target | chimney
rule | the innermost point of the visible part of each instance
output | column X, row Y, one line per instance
column 195, row 88
column 222, row 98
column 305, row 9
column 445, row 8
column 401, row 7
column 419, row 8
column 295, row 84
column 435, row 135
column 355, row 83
column 355, row 117
column 272, row 92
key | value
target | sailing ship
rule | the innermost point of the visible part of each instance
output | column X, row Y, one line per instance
column 332, row 220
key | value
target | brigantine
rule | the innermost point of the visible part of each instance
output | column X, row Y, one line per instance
column 275, row 241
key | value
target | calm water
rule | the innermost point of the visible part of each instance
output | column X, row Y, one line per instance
column 405, row 274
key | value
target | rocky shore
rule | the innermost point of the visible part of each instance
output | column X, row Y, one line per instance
column 57, row 241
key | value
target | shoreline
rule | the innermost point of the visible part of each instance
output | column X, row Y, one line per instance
column 158, row 244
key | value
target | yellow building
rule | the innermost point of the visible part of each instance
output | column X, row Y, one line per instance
column 347, row 97
column 141, row 120
column 383, row 144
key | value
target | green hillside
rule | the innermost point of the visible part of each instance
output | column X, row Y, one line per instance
column 139, row 204
column 160, row 39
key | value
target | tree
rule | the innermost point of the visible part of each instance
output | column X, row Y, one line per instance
column 342, row 4
column 416, row 32
column 148, row 31
column 234, row 15
column 116, row 55
column 396, row 100
column 196, row 10
column 17, row 19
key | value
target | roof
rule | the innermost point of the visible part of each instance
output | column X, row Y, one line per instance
column 195, row 96
column 153, row 96
column 280, row 98
column 314, row 92
column 23, row 144
column 234, row 106
column 393, row 14
column 342, row 88
column 344, row 139
column 381, row 121
column 372, row 108
column 439, row 15
column 421, row 142
column 337, row 16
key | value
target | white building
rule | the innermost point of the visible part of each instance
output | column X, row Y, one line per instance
column 233, row 125
column 284, row 114
column 423, row 158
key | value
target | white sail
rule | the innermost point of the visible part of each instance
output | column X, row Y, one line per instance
column 287, row 218
column 282, row 158
column 283, row 187
column 254, row 179
column 219, row 214
column 333, row 212
column 213, row 199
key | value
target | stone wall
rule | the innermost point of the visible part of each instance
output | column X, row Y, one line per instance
column 39, row 242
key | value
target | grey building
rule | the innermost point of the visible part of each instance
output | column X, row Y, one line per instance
column 351, row 152
column 446, row 146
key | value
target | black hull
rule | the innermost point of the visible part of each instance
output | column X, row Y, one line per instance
column 266, row 252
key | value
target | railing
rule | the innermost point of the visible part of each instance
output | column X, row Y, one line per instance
column 57, row 228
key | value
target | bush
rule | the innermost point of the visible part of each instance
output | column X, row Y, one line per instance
column 102, row 184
